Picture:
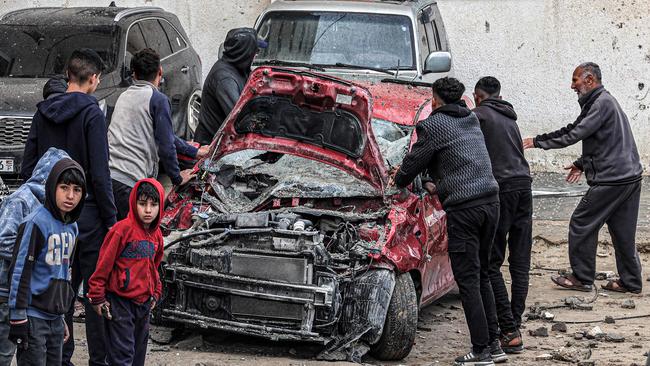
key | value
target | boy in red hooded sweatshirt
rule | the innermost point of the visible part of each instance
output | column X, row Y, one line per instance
column 126, row 283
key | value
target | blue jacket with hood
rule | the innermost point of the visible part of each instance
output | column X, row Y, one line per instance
column 13, row 210
column 74, row 123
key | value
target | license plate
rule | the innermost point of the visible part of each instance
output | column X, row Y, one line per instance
column 7, row 165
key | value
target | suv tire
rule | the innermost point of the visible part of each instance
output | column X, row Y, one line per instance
column 398, row 335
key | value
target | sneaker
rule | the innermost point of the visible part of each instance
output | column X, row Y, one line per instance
column 512, row 342
column 498, row 356
column 474, row 359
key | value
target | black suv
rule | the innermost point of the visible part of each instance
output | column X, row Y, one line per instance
column 35, row 44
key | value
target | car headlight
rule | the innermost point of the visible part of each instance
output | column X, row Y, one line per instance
column 103, row 106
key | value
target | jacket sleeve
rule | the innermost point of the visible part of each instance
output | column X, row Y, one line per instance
column 574, row 132
column 164, row 135
column 417, row 160
column 30, row 154
column 101, row 176
column 183, row 148
column 228, row 92
column 108, row 253
column 157, row 260
column 12, row 213
column 29, row 242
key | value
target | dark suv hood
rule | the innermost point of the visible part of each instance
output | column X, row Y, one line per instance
column 20, row 95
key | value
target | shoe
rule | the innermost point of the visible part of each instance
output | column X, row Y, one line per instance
column 512, row 342
column 474, row 359
column 498, row 356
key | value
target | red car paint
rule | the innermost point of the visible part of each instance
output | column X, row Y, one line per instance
column 414, row 239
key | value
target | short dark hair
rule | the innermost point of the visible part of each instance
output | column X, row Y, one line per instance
column 146, row 191
column 145, row 64
column 71, row 176
column 593, row 69
column 82, row 64
column 489, row 85
column 450, row 90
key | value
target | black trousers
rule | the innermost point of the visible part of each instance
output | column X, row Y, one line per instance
column 618, row 207
column 91, row 237
column 127, row 333
column 514, row 232
column 471, row 232
column 121, row 194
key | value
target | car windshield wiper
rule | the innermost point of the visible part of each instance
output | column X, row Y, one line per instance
column 358, row 67
column 288, row 63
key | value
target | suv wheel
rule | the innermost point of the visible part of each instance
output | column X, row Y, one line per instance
column 193, row 111
column 398, row 335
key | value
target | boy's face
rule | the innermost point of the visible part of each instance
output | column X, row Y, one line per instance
column 67, row 196
column 147, row 210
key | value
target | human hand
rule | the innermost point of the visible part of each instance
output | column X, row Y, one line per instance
column 153, row 304
column 529, row 143
column 574, row 173
column 103, row 309
column 19, row 333
column 66, row 332
column 431, row 188
column 186, row 175
column 203, row 151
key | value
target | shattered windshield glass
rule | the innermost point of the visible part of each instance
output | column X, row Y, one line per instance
column 393, row 141
column 42, row 51
column 327, row 38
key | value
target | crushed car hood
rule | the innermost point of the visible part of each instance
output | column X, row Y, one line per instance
column 307, row 115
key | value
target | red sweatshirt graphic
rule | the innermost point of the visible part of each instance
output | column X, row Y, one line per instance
column 129, row 258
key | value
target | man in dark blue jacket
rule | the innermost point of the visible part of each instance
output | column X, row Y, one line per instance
column 74, row 123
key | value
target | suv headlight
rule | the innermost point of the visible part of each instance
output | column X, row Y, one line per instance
column 103, row 106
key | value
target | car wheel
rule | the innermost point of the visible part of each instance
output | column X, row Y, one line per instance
column 398, row 335
column 193, row 111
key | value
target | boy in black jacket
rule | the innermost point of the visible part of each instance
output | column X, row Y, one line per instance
column 503, row 141
column 74, row 123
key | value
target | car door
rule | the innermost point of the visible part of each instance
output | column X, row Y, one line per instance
column 430, row 21
column 176, row 83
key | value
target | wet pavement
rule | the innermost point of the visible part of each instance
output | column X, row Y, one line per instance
column 554, row 199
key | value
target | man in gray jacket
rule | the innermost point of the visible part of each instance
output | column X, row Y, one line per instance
column 611, row 163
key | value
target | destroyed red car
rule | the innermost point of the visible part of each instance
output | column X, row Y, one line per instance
column 291, row 232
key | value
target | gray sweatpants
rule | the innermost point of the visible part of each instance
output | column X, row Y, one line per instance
column 618, row 207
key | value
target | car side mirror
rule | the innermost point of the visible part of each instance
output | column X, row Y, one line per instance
column 437, row 62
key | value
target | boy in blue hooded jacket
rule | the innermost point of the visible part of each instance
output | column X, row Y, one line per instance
column 40, row 291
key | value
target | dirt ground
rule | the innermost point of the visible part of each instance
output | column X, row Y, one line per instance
column 442, row 331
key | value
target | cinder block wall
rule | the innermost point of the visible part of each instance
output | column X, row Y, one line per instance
column 532, row 46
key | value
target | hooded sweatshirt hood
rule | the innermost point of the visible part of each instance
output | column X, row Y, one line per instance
column 55, row 86
column 50, row 190
column 65, row 107
column 133, row 204
column 500, row 106
column 240, row 48
column 36, row 182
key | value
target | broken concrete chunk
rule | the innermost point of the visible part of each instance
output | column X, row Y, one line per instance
column 586, row 363
column 628, row 304
column 539, row 332
column 585, row 307
column 578, row 336
column 547, row 315
column 559, row 327
column 609, row 320
column 544, row 357
column 605, row 275
column 592, row 344
column 571, row 354
column 594, row 332
column 615, row 338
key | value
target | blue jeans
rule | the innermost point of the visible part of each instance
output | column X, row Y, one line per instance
column 7, row 347
column 44, row 344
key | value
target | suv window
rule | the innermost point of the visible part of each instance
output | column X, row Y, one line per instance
column 175, row 39
column 376, row 40
column 431, row 29
column 155, row 36
column 43, row 50
column 424, row 45
column 134, row 43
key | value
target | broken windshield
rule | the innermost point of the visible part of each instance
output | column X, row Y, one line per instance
column 327, row 38
column 42, row 51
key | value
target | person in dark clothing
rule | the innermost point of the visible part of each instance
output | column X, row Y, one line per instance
column 225, row 81
column 451, row 147
column 40, row 291
column 610, row 161
column 498, row 122
column 57, row 85
column 74, row 123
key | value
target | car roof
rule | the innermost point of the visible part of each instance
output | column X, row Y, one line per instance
column 78, row 16
column 403, row 7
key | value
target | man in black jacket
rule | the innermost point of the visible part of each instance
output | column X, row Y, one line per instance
column 503, row 141
column 225, row 81
column 451, row 147
column 73, row 122
column 610, row 161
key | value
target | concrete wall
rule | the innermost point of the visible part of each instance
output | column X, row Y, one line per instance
column 532, row 46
